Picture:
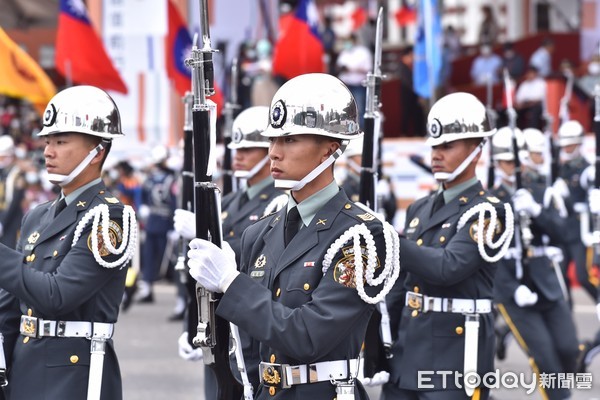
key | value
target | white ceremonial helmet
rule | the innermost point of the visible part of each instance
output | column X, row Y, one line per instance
column 313, row 104
column 248, row 127
column 81, row 109
column 570, row 132
column 502, row 144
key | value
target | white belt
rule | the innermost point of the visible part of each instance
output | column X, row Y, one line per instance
column 285, row 376
column 423, row 303
column 37, row 328
column 554, row 253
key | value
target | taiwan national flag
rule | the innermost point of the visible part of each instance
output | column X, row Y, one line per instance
column 299, row 49
column 80, row 54
column 177, row 48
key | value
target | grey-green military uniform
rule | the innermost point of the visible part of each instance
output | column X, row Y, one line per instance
column 301, row 314
column 56, row 281
column 545, row 330
column 441, row 263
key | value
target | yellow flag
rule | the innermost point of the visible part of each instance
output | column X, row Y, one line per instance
column 21, row 76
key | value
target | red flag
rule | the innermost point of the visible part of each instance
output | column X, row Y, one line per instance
column 406, row 16
column 177, row 49
column 359, row 17
column 299, row 49
column 80, row 52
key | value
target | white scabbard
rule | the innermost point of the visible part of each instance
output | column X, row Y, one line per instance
column 241, row 364
column 471, row 348
column 3, row 380
column 97, row 351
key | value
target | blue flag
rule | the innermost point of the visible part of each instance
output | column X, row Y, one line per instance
column 428, row 49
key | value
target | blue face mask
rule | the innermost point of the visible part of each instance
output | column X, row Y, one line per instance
column 348, row 45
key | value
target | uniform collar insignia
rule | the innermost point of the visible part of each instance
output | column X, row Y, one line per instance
column 321, row 221
column 463, row 199
column 81, row 203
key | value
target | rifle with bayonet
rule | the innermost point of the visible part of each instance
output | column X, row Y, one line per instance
column 212, row 332
column 523, row 235
column 230, row 112
column 492, row 117
column 378, row 342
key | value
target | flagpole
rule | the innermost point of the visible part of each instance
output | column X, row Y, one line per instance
column 68, row 77
column 429, row 49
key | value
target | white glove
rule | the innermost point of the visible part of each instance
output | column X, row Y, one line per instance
column 594, row 201
column 523, row 201
column 186, row 351
column 212, row 267
column 143, row 212
column 184, row 223
column 525, row 297
column 379, row 378
column 561, row 187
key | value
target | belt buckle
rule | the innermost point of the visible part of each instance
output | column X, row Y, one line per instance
column 29, row 326
column 273, row 375
column 414, row 300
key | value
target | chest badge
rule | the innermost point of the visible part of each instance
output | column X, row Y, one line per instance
column 366, row 217
column 261, row 261
column 414, row 223
column 33, row 237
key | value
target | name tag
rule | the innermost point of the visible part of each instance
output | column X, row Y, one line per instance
column 257, row 274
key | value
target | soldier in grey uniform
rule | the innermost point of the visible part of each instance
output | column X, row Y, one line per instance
column 447, row 323
column 239, row 210
column 12, row 192
column 530, row 292
column 309, row 272
column 67, row 274
column 573, row 164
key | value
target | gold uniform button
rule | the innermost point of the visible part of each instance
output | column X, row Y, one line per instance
column 481, row 193
column 231, row 233
column 416, row 289
column 415, row 313
column 74, row 359
column 419, row 242
column 29, row 312
column 347, row 206
column 28, row 258
column 306, row 286
column 26, row 339
column 272, row 391
column 442, row 239
column 278, row 292
column 272, row 358
column 32, row 257
column 102, row 192
column 55, row 253
column 459, row 330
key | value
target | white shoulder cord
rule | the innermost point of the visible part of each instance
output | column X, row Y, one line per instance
column 100, row 215
column 391, row 268
column 276, row 204
column 505, row 238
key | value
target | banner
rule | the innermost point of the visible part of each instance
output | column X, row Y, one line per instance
column 428, row 49
column 21, row 76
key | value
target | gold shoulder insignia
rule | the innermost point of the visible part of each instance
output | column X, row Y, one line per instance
column 366, row 217
column 475, row 227
column 493, row 199
column 344, row 272
column 112, row 200
column 115, row 233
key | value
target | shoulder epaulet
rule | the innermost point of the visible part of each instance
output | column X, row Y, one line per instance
column 359, row 213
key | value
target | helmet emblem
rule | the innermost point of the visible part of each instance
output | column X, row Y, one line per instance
column 435, row 128
column 49, row 115
column 237, row 136
column 278, row 114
